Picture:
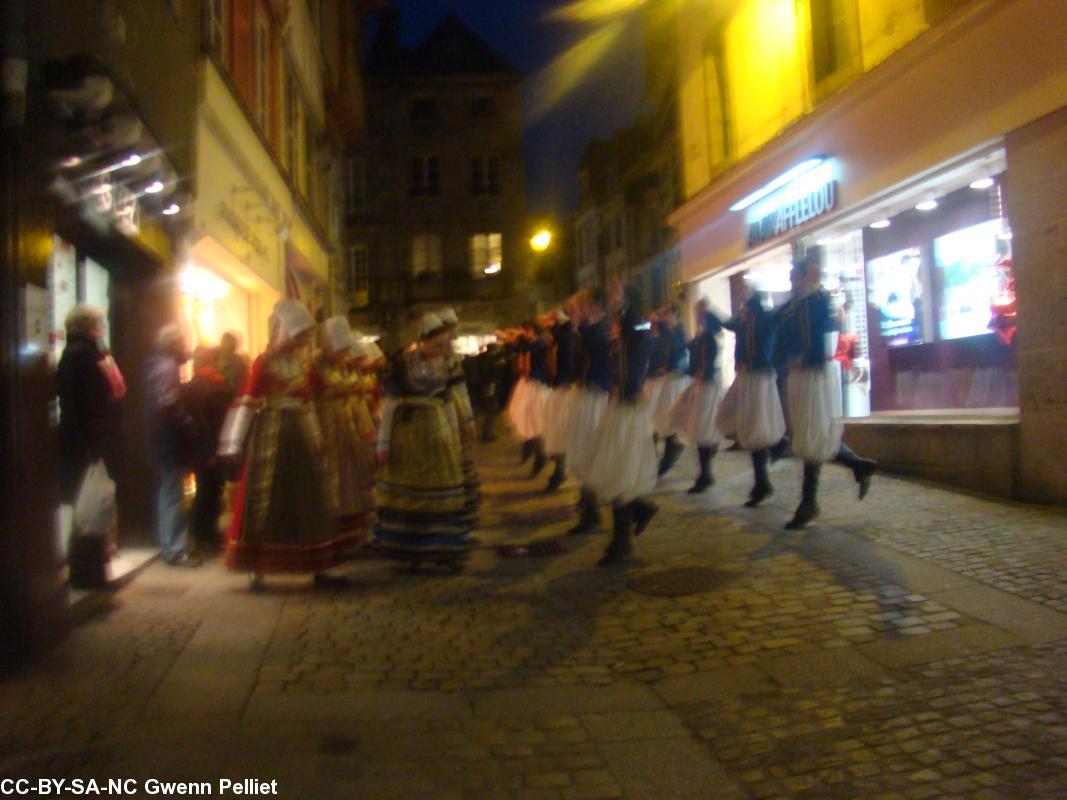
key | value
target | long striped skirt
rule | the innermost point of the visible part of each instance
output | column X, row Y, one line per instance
column 423, row 499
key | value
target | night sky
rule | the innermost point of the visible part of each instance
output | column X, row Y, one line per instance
column 607, row 98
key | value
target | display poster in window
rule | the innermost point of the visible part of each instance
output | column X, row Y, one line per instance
column 63, row 287
column 967, row 264
column 895, row 295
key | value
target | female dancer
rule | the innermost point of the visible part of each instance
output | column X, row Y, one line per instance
column 283, row 519
column 423, row 513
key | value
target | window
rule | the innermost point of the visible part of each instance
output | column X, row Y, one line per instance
column 832, row 43
column 486, row 255
column 423, row 108
column 485, row 176
column 218, row 28
column 717, row 100
column 293, row 124
column 425, row 176
column 426, row 255
column 262, row 65
column 355, row 185
column 971, row 274
column 357, row 269
column 483, row 107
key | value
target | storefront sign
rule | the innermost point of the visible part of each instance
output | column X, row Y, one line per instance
column 806, row 198
column 243, row 230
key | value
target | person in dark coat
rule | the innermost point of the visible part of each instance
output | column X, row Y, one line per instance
column 90, row 389
column 207, row 398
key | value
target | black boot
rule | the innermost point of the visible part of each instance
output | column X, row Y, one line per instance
column 527, row 451
column 779, row 450
column 808, row 508
column 643, row 512
column 671, row 450
column 559, row 474
column 590, row 514
column 704, row 479
column 539, row 457
column 862, row 468
column 762, row 489
column 619, row 549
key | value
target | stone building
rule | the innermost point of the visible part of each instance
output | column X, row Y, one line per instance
column 918, row 147
column 436, row 208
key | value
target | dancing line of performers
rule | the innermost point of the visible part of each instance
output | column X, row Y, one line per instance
column 315, row 425
column 600, row 383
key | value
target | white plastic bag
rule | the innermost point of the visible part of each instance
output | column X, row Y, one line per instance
column 94, row 510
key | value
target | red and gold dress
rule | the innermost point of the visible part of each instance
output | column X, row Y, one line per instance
column 284, row 519
column 348, row 435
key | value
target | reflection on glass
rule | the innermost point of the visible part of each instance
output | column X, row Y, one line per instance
column 967, row 265
column 895, row 292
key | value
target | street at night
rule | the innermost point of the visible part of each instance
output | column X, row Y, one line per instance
column 909, row 646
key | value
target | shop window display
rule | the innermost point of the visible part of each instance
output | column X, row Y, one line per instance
column 895, row 294
column 967, row 263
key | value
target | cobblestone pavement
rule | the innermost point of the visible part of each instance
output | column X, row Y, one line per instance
column 910, row 646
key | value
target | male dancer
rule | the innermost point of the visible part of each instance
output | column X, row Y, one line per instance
column 694, row 411
column 675, row 380
column 813, row 390
column 560, row 402
column 593, row 379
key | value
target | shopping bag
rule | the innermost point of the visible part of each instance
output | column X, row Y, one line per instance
column 94, row 509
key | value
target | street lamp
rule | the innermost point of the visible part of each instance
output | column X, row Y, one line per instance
column 541, row 240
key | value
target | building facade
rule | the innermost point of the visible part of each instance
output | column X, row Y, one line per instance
column 436, row 209
column 900, row 141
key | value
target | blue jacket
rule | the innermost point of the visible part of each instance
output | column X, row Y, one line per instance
column 595, row 369
column 567, row 347
column 704, row 350
column 632, row 356
column 804, row 324
column 538, row 350
column 757, row 333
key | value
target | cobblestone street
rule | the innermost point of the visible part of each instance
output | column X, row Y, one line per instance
column 910, row 646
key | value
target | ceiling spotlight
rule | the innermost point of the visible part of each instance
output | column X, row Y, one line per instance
column 492, row 269
column 882, row 223
column 172, row 209
column 825, row 241
column 926, row 205
column 70, row 161
column 130, row 161
column 155, row 187
column 983, row 183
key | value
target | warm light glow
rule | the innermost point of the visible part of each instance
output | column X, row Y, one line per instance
column 492, row 269
column 983, row 183
column 202, row 284
column 155, row 187
column 882, row 223
column 70, row 161
column 782, row 180
column 541, row 241
column 172, row 209
column 926, row 205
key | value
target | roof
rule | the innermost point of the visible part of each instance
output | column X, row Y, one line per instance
column 451, row 49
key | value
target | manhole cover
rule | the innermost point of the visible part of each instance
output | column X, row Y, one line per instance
column 679, row 581
column 537, row 549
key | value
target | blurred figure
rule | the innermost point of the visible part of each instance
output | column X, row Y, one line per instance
column 174, row 439
column 560, row 401
column 347, row 430
column 283, row 520
column 207, row 397
column 669, row 364
column 461, row 413
column 423, row 512
column 231, row 364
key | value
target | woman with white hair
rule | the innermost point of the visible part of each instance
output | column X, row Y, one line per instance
column 346, row 429
column 423, row 508
column 283, row 520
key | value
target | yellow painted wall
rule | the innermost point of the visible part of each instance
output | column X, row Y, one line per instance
column 765, row 57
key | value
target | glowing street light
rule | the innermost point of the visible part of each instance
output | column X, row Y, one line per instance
column 541, row 240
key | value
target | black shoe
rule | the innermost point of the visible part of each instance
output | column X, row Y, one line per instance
column 527, row 451
column 804, row 514
column 185, row 560
column 701, row 485
column 539, row 463
column 863, row 472
column 555, row 481
column 644, row 511
column 589, row 521
column 620, row 548
column 671, row 452
column 758, row 495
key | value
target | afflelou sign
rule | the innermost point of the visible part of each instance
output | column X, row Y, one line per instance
column 792, row 202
